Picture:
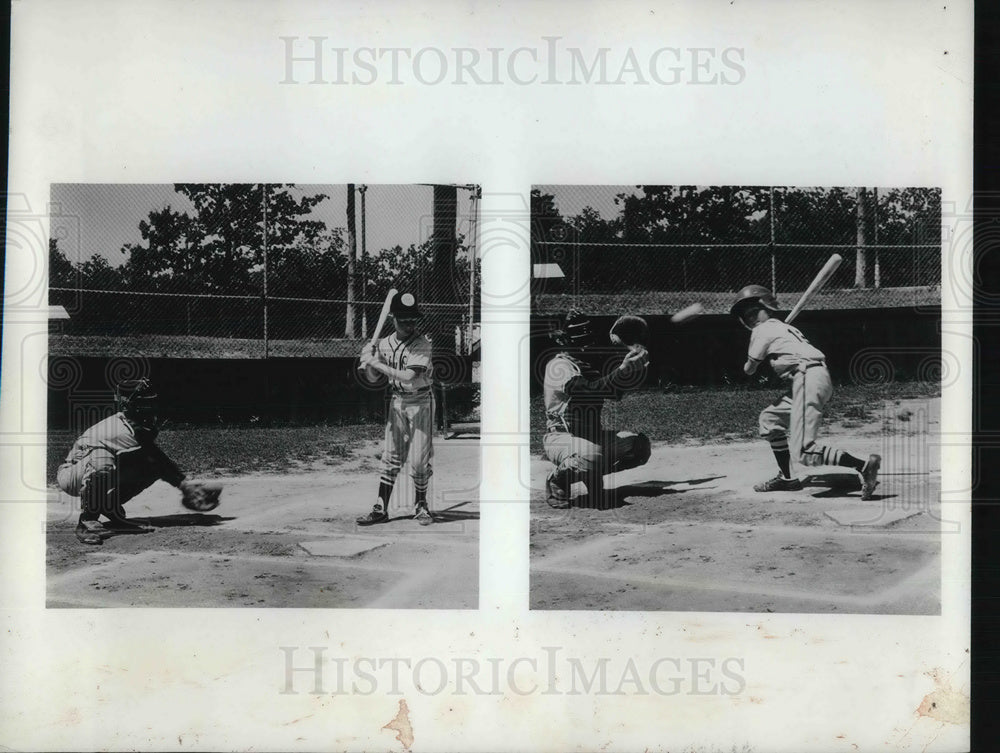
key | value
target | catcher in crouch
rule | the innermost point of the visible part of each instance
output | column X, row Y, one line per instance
column 116, row 459
column 575, row 391
column 796, row 416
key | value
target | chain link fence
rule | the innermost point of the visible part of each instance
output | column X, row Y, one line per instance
column 258, row 270
column 653, row 249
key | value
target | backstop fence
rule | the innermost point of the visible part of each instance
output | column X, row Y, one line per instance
column 258, row 271
column 643, row 245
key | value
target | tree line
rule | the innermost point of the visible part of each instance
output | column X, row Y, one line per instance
column 219, row 248
column 704, row 220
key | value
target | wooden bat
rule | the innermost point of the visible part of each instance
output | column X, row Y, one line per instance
column 688, row 313
column 381, row 319
column 369, row 372
column 818, row 282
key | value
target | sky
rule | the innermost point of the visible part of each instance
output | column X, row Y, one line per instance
column 571, row 200
column 94, row 219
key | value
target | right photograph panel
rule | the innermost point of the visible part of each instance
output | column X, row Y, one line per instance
column 735, row 398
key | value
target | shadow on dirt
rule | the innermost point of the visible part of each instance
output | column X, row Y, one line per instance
column 186, row 519
column 839, row 485
column 452, row 513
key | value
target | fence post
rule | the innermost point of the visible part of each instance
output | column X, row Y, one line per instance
column 774, row 264
column 878, row 265
column 263, row 189
column 364, row 265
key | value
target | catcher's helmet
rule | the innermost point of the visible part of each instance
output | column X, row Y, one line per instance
column 404, row 306
column 753, row 295
column 577, row 331
column 137, row 399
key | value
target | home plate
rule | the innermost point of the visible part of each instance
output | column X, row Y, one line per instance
column 342, row 547
column 870, row 516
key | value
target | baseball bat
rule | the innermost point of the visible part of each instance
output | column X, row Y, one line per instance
column 818, row 282
column 688, row 313
column 381, row 318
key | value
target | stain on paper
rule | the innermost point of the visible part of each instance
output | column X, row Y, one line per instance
column 945, row 704
column 401, row 725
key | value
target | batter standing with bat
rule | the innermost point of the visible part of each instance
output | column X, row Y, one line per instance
column 791, row 424
column 403, row 360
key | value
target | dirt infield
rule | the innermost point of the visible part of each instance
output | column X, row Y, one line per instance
column 281, row 541
column 690, row 534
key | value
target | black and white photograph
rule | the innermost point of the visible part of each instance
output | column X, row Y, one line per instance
column 565, row 376
column 737, row 398
column 263, row 395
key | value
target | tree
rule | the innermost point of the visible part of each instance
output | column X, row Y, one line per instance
column 62, row 273
column 218, row 248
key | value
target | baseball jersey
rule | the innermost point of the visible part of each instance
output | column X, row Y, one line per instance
column 412, row 353
column 574, row 396
column 784, row 346
column 122, row 439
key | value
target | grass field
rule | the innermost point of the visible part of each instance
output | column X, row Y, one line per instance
column 657, row 302
column 698, row 414
column 207, row 451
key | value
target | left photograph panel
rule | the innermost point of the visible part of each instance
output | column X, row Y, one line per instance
column 263, row 395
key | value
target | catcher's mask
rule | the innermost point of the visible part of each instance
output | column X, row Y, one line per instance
column 577, row 332
column 403, row 307
column 137, row 400
column 753, row 296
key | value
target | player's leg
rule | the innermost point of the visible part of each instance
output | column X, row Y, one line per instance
column 809, row 402
column 74, row 479
column 574, row 458
column 422, row 456
column 393, row 445
column 773, row 425
column 134, row 474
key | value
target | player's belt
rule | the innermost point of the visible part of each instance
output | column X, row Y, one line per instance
column 557, row 430
column 415, row 393
column 811, row 364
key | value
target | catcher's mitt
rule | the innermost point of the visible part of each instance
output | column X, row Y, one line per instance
column 629, row 330
column 200, row 496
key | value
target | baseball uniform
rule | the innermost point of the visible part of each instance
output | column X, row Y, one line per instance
column 112, row 462
column 575, row 441
column 793, row 421
column 409, row 427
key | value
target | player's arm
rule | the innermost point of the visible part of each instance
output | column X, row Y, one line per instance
column 166, row 468
column 616, row 381
column 402, row 375
column 757, row 353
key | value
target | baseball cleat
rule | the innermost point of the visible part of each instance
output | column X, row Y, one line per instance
column 779, row 484
column 869, row 476
column 89, row 532
column 423, row 515
column 557, row 490
column 377, row 515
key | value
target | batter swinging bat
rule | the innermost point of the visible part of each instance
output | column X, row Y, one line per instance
column 820, row 280
column 381, row 319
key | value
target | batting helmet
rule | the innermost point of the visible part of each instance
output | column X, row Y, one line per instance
column 753, row 295
column 404, row 306
column 137, row 400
